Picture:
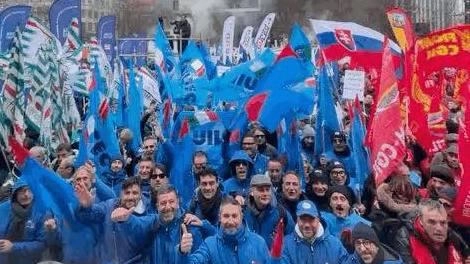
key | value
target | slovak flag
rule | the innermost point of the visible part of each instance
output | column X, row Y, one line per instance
column 362, row 44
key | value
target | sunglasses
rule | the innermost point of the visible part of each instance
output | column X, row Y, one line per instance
column 158, row 175
column 149, row 147
column 260, row 136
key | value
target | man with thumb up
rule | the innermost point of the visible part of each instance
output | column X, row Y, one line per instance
column 186, row 240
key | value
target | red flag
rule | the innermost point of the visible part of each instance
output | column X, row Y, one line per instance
column 184, row 130
column 461, row 214
column 276, row 248
column 287, row 51
column 254, row 105
column 19, row 152
column 388, row 135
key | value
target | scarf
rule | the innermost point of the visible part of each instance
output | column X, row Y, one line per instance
column 18, row 218
column 210, row 207
column 424, row 250
column 232, row 239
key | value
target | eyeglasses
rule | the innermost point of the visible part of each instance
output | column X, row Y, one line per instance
column 200, row 165
column 274, row 170
column 365, row 243
column 341, row 172
column 248, row 143
column 158, row 175
column 149, row 147
column 260, row 136
column 238, row 163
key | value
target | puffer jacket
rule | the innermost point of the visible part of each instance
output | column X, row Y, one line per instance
column 32, row 244
column 242, row 247
column 325, row 248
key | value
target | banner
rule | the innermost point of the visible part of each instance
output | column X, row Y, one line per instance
column 151, row 87
column 263, row 32
column 11, row 18
column 61, row 14
column 227, row 40
column 133, row 49
column 387, row 146
column 354, row 82
column 461, row 214
column 246, row 42
column 106, row 31
column 402, row 28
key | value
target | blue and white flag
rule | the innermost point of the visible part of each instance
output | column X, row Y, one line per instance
column 61, row 14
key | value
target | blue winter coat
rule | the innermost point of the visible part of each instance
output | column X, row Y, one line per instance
column 118, row 245
column 324, row 249
column 164, row 236
column 260, row 164
column 390, row 257
column 114, row 180
column 265, row 223
column 32, row 245
column 336, row 225
column 234, row 186
column 244, row 247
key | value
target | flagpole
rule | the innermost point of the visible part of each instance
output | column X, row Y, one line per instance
column 6, row 160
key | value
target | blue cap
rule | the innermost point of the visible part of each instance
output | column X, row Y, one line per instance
column 306, row 207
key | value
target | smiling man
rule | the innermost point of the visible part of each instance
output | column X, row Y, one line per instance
column 311, row 242
column 117, row 245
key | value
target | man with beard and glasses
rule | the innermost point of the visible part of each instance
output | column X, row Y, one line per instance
column 117, row 244
column 263, row 212
column 206, row 203
column 22, row 239
column 427, row 239
column 311, row 242
column 341, row 217
column 159, row 177
column 164, row 229
column 262, row 145
column 233, row 243
column 369, row 250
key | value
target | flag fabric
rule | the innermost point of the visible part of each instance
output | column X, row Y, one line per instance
column 194, row 78
column 134, row 111
column 227, row 40
column 246, row 44
column 238, row 83
column 12, row 17
column 359, row 154
column 278, row 240
column 326, row 123
column 72, row 41
column 263, row 32
column 118, row 94
column 13, row 95
column 300, row 43
column 151, row 87
column 164, row 57
column 402, row 28
column 211, row 69
column 387, row 146
column 61, row 13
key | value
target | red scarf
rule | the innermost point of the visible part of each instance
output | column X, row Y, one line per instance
column 420, row 248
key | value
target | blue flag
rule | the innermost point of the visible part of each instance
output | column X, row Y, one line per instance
column 359, row 153
column 210, row 66
column 12, row 17
column 61, row 14
column 181, row 166
column 238, row 84
column 327, row 122
column 301, row 45
column 134, row 111
column 164, row 57
column 196, row 85
column 106, row 29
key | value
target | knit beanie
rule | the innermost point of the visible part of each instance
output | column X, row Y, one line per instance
column 363, row 231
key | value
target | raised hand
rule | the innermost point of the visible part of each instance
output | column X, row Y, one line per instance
column 190, row 219
column 50, row 224
column 186, row 240
column 83, row 195
column 121, row 214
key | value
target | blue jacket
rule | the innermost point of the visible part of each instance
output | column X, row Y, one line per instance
column 260, row 164
column 324, row 249
column 390, row 257
column 117, row 245
column 233, row 185
column 114, row 180
column 243, row 247
column 264, row 223
column 213, row 216
column 336, row 225
column 164, row 237
column 32, row 245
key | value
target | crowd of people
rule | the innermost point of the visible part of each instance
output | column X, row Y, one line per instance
column 132, row 214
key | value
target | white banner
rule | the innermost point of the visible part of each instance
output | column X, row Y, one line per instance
column 246, row 41
column 227, row 40
column 263, row 32
column 151, row 87
column 354, row 82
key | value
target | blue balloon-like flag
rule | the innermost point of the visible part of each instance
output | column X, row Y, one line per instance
column 11, row 18
column 61, row 14
column 106, row 29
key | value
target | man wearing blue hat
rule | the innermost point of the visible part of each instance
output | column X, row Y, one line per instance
column 311, row 242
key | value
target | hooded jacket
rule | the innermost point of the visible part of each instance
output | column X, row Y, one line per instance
column 336, row 224
column 242, row 247
column 114, row 180
column 234, row 186
column 324, row 248
column 31, row 246
column 117, row 245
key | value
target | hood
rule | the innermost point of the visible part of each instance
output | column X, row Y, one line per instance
column 20, row 183
column 118, row 157
column 240, row 155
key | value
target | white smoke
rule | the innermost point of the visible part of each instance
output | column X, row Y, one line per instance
column 202, row 13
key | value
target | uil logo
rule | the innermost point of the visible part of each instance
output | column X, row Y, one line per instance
column 398, row 20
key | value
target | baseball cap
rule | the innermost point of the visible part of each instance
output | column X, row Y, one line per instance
column 306, row 207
